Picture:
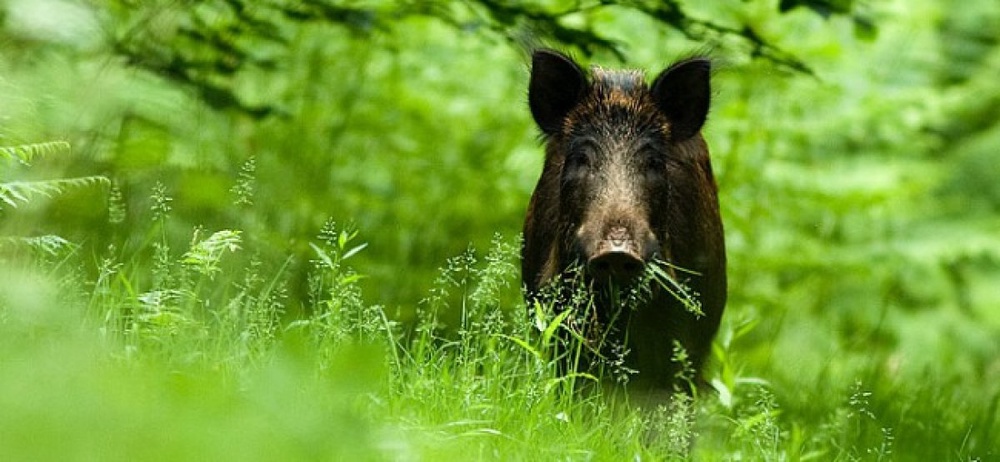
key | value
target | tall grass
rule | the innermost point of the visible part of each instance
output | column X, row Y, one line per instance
column 224, row 320
column 197, row 358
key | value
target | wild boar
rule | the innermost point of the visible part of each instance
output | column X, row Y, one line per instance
column 626, row 188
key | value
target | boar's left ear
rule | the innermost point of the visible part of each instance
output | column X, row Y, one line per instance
column 683, row 92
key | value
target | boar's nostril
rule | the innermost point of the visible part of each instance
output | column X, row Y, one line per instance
column 618, row 266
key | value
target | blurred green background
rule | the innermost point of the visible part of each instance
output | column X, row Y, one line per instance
column 856, row 146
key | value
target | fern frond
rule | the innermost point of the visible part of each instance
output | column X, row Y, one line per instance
column 21, row 192
column 50, row 243
column 26, row 152
column 204, row 256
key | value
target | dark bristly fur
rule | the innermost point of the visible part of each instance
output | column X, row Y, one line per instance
column 627, row 181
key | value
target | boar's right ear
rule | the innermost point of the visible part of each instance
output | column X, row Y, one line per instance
column 557, row 84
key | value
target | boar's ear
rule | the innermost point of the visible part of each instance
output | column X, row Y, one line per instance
column 682, row 92
column 557, row 83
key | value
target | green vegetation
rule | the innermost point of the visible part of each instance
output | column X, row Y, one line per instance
column 282, row 230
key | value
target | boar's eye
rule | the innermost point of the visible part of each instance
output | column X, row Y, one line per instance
column 579, row 158
column 654, row 163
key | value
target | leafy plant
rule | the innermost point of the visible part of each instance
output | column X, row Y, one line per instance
column 14, row 193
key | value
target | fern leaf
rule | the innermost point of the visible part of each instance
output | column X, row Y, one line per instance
column 204, row 256
column 26, row 152
column 21, row 192
column 50, row 243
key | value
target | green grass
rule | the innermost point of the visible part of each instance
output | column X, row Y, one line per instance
column 182, row 299
column 198, row 361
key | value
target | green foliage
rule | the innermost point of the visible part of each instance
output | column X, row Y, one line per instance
column 210, row 46
column 48, row 244
column 204, row 255
column 14, row 193
column 26, row 153
column 348, row 382
column 187, row 307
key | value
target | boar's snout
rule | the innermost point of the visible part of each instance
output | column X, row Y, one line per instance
column 620, row 266
column 618, row 258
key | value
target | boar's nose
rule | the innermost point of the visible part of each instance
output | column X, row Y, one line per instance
column 617, row 263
